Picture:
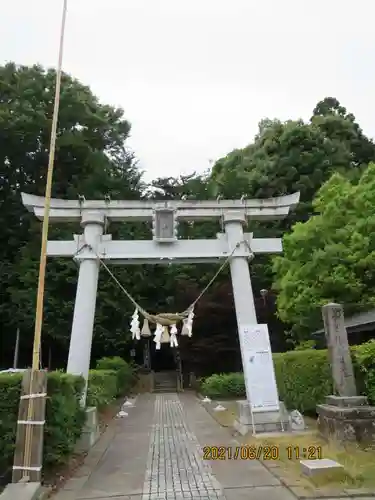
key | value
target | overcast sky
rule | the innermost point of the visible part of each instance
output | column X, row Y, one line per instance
column 196, row 76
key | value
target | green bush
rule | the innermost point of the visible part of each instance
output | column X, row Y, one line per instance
column 102, row 388
column 123, row 370
column 224, row 385
column 10, row 389
column 303, row 377
column 303, row 380
column 364, row 357
column 64, row 416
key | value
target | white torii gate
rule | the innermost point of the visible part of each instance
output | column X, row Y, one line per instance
column 165, row 248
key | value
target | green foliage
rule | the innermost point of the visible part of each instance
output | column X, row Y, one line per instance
column 305, row 344
column 296, row 156
column 64, row 416
column 123, row 370
column 102, row 388
column 91, row 159
column 364, row 356
column 331, row 257
column 10, row 389
column 224, row 385
column 303, row 378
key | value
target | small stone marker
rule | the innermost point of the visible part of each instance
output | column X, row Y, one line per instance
column 206, row 400
column 219, row 408
column 296, row 421
column 122, row 414
column 320, row 467
column 127, row 404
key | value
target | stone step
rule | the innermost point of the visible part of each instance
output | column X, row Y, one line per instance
column 171, row 386
column 162, row 391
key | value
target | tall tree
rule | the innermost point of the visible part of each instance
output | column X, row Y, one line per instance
column 341, row 127
column 293, row 156
column 91, row 159
column 331, row 257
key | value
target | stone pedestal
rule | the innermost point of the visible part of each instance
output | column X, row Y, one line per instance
column 347, row 419
column 260, row 421
column 91, row 431
column 23, row 491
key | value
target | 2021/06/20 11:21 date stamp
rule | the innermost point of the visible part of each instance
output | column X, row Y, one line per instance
column 252, row 452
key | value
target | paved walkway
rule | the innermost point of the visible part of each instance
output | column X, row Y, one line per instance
column 156, row 454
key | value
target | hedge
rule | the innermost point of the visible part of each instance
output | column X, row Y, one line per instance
column 10, row 388
column 303, row 377
column 123, row 370
column 64, row 415
column 102, row 388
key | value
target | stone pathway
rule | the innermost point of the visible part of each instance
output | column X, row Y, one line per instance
column 156, row 454
column 175, row 469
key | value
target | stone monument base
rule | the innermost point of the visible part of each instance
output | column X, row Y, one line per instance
column 264, row 421
column 347, row 419
column 90, row 432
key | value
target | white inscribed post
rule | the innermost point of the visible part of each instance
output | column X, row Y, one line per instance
column 258, row 368
column 263, row 357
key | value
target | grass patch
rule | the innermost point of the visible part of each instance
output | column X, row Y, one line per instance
column 359, row 463
column 224, row 418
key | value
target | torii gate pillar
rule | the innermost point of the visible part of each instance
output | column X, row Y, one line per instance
column 85, row 303
column 239, row 269
column 262, row 411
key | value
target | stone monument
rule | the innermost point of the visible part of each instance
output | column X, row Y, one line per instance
column 345, row 416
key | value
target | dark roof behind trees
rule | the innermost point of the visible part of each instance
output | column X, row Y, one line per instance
column 361, row 322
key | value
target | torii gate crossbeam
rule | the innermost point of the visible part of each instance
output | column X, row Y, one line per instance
column 71, row 210
column 148, row 252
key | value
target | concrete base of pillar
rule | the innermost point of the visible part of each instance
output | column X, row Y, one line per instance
column 23, row 491
column 347, row 419
column 91, row 431
column 260, row 422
